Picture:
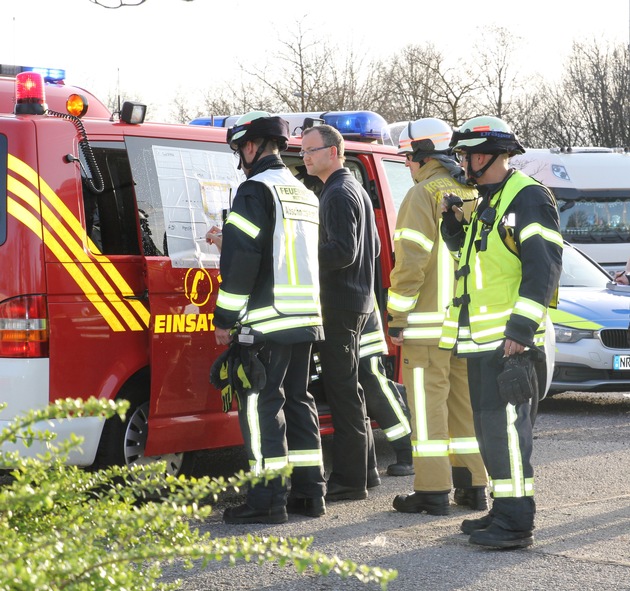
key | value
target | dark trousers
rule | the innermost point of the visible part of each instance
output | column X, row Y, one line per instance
column 353, row 444
column 385, row 402
column 281, row 421
column 504, row 433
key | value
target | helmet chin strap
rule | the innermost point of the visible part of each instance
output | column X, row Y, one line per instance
column 476, row 174
column 242, row 163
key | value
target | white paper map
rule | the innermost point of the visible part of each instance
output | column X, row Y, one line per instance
column 196, row 189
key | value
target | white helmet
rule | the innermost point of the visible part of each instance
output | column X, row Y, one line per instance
column 425, row 137
column 486, row 135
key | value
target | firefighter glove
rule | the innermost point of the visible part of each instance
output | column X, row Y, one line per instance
column 222, row 375
column 251, row 372
column 449, row 219
column 517, row 382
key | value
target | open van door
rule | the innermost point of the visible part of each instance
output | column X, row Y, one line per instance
column 187, row 188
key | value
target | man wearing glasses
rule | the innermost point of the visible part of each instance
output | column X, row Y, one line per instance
column 348, row 247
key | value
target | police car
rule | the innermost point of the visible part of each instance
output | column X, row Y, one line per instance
column 591, row 328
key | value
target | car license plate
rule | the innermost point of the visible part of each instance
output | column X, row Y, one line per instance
column 621, row 362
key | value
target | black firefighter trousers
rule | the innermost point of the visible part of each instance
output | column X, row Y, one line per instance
column 280, row 424
column 504, row 433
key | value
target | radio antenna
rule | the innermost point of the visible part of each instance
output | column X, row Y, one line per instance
column 118, row 88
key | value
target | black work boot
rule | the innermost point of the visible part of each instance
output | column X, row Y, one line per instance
column 311, row 507
column 246, row 514
column 417, row 502
column 474, row 497
column 373, row 478
column 468, row 526
column 404, row 460
column 494, row 536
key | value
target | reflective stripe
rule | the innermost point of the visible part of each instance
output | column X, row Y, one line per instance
column 430, row 449
column 464, row 445
column 422, row 446
column 530, row 309
column 372, row 343
column 414, row 236
column 251, row 411
column 419, row 399
column 425, row 317
column 231, row 301
column 295, row 290
column 401, row 303
column 422, row 333
column 395, row 432
column 464, row 347
column 506, row 489
column 546, row 233
column 372, row 349
column 268, row 464
column 306, row 457
column 242, row 224
column 402, row 428
column 287, row 323
column 514, row 451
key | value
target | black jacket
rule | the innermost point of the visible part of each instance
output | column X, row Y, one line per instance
column 348, row 244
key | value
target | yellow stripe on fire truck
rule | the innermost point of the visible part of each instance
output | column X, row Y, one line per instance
column 102, row 272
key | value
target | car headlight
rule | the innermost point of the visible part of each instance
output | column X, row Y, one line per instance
column 566, row 334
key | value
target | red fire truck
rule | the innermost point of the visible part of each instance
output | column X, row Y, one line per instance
column 108, row 286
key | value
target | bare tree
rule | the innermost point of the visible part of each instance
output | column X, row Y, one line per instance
column 598, row 76
column 410, row 79
column 298, row 79
column 497, row 73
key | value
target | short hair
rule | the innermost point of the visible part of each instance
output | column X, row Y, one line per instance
column 331, row 137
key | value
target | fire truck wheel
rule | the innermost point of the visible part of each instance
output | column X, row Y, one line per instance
column 123, row 443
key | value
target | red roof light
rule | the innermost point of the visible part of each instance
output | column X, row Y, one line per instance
column 29, row 93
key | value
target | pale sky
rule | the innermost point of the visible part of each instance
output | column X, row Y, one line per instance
column 167, row 45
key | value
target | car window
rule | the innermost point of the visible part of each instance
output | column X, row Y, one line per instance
column 580, row 271
column 399, row 180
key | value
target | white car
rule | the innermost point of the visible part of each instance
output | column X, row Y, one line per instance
column 591, row 328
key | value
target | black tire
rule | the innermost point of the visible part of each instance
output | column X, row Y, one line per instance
column 123, row 443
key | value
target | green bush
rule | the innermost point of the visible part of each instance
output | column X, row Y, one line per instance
column 63, row 527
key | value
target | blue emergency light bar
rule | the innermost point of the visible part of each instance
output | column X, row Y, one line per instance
column 352, row 125
column 211, row 121
column 50, row 75
column 356, row 125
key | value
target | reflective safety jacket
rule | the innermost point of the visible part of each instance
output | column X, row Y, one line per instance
column 422, row 281
column 271, row 283
column 510, row 264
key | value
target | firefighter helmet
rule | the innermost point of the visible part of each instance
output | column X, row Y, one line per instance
column 258, row 124
column 425, row 137
column 486, row 135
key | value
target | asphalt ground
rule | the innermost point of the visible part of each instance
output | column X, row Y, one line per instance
column 582, row 536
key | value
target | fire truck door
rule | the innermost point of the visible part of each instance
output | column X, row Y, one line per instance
column 182, row 348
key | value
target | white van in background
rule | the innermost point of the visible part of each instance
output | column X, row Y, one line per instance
column 592, row 187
